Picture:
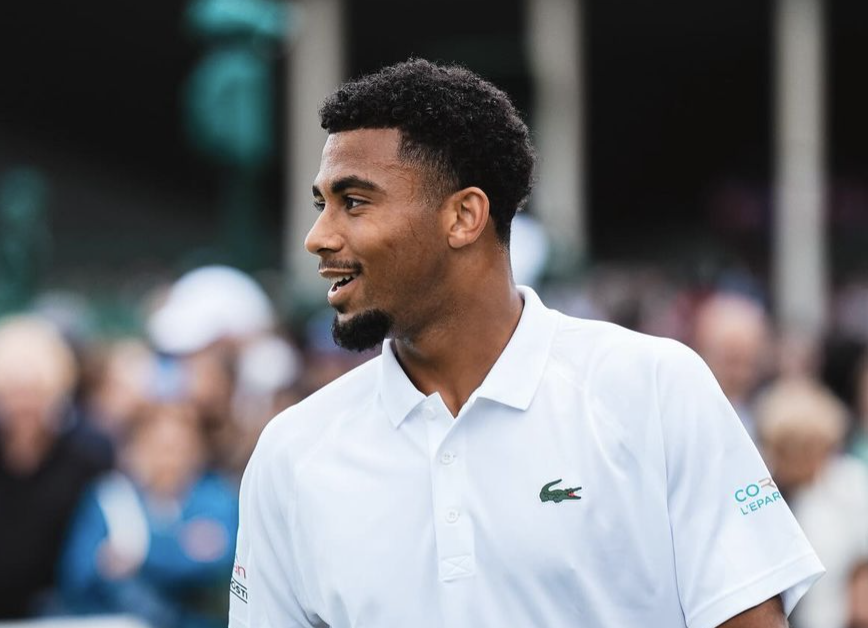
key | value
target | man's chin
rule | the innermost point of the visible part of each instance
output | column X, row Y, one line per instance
column 361, row 331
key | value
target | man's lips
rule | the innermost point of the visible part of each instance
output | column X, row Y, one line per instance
column 340, row 289
column 340, row 277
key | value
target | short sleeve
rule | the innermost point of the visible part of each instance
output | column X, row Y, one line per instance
column 736, row 542
column 263, row 589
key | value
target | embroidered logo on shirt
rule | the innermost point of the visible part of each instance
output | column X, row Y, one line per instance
column 557, row 495
column 752, row 497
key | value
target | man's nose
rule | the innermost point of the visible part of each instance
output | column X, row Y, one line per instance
column 323, row 236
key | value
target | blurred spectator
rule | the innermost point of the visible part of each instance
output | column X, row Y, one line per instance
column 798, row 355
column 209, row 305
column 265, row 367
column 731, row 333
column 72, row 314
column 208, row 383
column 267, row 371
column 858, row 596
column 45, row 460
column 206, row 322
column 155, row 540
column 801, row 427
column 120, row 379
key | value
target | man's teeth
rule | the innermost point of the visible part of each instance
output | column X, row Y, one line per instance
column 342, row 281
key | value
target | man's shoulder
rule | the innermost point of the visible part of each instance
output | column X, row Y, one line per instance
column 345, row 392
column 611, row 361
column 606, row 343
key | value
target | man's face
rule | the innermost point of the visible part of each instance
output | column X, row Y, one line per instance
column 381, row 244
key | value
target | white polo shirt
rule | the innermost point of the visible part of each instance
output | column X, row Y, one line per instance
column 598, row 477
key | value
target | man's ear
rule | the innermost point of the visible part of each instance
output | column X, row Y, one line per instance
column 466, row 216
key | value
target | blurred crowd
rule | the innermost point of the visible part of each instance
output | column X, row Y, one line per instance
column 120, row 457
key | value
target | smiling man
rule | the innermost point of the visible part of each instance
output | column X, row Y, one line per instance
column 499, row 464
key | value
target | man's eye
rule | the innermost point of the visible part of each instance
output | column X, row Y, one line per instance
column 319, row 205
column 352, row 203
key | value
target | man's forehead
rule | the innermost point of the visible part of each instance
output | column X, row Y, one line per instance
column 365, row 153
column 379, row 145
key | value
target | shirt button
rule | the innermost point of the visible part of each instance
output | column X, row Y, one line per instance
column 452, row 516
column 447, row 457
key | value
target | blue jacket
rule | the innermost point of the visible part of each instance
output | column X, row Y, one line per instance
column 186, row 551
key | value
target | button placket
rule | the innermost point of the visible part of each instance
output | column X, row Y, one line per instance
column 453, row 529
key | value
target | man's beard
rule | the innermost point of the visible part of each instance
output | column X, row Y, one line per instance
column 363, row 331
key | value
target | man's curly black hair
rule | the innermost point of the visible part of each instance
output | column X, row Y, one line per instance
column 462, row 127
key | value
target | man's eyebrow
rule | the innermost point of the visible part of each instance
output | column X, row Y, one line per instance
column 352, row 181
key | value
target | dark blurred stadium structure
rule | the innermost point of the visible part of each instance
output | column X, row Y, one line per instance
column 703, row 175
column 666, row 112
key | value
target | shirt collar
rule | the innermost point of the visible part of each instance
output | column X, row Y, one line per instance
column 398, row 393
column 512, row 381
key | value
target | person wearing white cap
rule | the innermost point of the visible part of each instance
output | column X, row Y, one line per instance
column 210, row 304
column 499, row 464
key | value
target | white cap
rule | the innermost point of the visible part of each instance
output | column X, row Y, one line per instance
column 210, row 304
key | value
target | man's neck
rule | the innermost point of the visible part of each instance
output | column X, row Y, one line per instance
column 454, row 355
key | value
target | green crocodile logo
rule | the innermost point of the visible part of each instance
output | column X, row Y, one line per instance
column 557, row 495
